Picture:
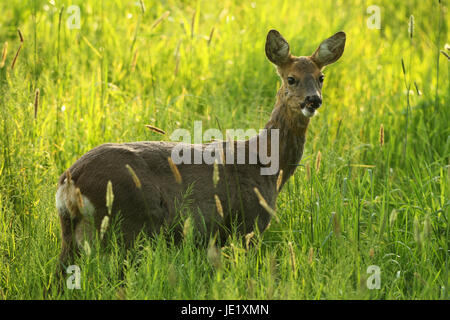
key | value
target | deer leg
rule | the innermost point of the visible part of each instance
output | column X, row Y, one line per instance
column 69, row 248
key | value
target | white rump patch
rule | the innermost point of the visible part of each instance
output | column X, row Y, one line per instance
column 66, row 193
column 61, row 199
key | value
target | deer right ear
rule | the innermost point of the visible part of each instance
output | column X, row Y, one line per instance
column 277, row 48
column 330, row 50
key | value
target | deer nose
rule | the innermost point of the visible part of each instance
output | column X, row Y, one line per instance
column 315, row 101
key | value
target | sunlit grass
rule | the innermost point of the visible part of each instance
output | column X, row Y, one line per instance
column 367, row 204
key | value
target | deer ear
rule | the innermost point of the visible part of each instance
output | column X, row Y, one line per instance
column 330, row 50
column 277, row 48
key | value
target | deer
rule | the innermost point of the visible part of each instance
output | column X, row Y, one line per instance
column 146, row 189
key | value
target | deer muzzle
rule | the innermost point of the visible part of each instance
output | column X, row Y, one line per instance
column 313, row 102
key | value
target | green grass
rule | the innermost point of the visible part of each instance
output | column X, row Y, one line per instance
column 391, row 203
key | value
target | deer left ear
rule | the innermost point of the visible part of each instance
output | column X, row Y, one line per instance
column 277, row 48
column 330, row 50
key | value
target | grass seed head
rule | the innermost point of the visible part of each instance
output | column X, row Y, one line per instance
column 135, row 178
column 308, row 171
column 134, row 62
column 187, row 227
column 411, row 26
column 216, row 175
column 393, row 217
column 36, row 102
column 174, row 170
column 18, row 50
column 248, row 238
column 218, row 205
column 427, row 227
column 155, row 129
column 213, row 254
column 280, row 179
column 318, row 161
column 264, row 204
column 160, row 19
column 210, row 36
column 381, row 135
column 104, row 226
column 177, row 65
column 142, row 6
column 4, row 53
column 13, row 64
column 311, row 255
column 109, row 196
column 193, row 23
column 20, row 35
column 87, row 248
column 417, row 235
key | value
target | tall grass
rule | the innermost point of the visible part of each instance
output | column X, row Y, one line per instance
column 128, row 67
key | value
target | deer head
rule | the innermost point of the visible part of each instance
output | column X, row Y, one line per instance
column 301, row 90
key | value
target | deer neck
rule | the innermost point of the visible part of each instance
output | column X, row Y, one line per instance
column 292, row 128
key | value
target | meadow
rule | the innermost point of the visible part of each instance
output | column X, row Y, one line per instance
column 378, row 194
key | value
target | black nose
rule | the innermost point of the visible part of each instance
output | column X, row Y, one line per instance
column 315, row 101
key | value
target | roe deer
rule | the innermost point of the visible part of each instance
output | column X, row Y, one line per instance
column 146, row 196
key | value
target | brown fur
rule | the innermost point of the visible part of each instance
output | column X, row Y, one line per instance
column 153, row 205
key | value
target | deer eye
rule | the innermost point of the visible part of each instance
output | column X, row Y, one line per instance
column 291, row 80
column 321, row 77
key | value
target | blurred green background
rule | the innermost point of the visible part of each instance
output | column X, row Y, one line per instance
column 170, row 63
